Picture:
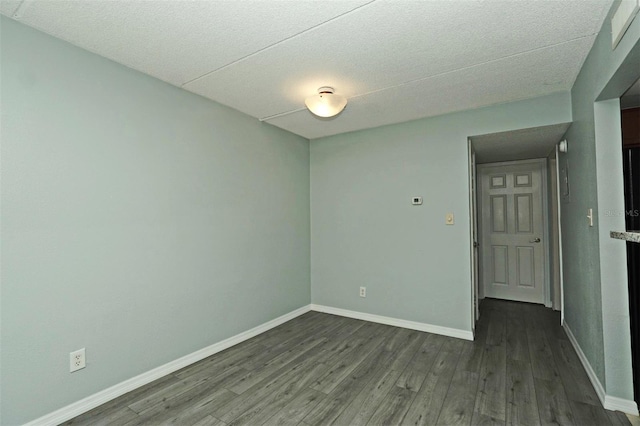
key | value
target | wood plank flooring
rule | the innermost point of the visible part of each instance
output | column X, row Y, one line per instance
column 320, row 369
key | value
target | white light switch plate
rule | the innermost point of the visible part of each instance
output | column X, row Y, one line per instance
column 448, row 219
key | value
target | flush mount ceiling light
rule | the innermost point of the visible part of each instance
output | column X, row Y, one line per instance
column 326, row 103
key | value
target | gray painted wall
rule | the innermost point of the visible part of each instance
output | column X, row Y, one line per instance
column 365, row 232
column 594, row 268
column 613, row 272
column 138, row 220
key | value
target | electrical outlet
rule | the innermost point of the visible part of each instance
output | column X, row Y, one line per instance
column 363, row 292
column 77, row 360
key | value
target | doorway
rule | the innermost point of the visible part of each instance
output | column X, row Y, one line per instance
column 504, row 149
column 513, row 229
column 630, row 124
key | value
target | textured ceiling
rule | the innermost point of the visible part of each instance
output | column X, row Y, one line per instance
column 631, row 98
column 536, row 142
column 633, row 90
column 394, row 60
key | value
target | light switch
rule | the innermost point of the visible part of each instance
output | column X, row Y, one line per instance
column 416, row 201
column 448, row 219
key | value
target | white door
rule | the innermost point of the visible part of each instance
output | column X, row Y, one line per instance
column 512, row 230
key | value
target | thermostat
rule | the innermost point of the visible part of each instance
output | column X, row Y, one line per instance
column 416, row 201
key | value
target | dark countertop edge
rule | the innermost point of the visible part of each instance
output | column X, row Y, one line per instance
column 633, row 236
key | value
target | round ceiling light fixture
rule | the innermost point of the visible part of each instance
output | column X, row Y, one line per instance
column 326, row 103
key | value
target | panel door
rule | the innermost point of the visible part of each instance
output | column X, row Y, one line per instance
column 512, row 224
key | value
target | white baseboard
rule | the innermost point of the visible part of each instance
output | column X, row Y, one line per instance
column 435, row 329
column 608, row 402
column 97, row 399
column 618, row 404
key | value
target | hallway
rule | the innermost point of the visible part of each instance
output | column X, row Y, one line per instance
column 543, row 372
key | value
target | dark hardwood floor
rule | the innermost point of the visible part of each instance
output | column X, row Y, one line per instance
column 323, row 369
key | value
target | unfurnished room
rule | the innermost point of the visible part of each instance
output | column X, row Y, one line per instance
column 319, row 212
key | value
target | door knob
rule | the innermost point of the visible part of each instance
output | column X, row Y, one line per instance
column 535, row 240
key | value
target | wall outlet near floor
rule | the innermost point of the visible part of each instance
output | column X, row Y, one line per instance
column 363, row 292
column 77, row 360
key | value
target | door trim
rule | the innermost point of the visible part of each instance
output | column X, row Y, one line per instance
column 545, row 222
column 559, row 213
column 473, row 228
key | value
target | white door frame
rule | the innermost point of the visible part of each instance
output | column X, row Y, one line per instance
column 473, row 228
column 559, row 213
column 558, row 255
column 545, row 224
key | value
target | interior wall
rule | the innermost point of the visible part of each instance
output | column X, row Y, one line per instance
column 365, row 232
column 613, row 265
column 139, row 221
column 588, row 261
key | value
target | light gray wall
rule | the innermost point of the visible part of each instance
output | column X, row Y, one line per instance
column 613, row 271
column 365, row 232
column 138, row 220
column 594, row 267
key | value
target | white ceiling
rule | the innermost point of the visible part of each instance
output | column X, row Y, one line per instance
column 394, row 60
column 633, row 90
column 631, row 98
column 522, row 144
